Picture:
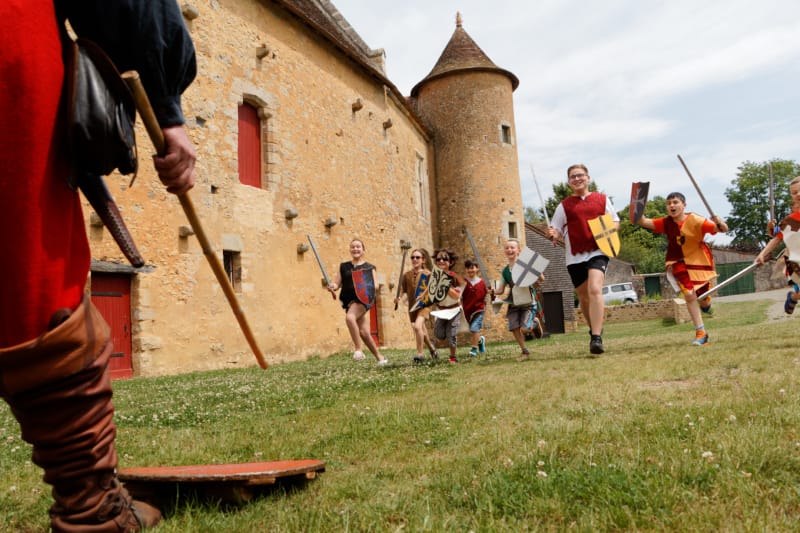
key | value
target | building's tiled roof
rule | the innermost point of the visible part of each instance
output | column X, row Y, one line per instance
column 462, row 54
column 326, row 20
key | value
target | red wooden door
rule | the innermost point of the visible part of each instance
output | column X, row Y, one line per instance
column 111, row 294
column 374, row 331
column 249, row 146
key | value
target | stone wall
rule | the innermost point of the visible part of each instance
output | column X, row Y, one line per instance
column 673, row 308
column 325, row 160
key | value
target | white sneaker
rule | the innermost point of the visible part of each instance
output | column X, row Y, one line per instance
column 383, row 362
column 358, row 355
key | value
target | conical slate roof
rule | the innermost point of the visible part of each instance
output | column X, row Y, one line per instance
column 462, row 54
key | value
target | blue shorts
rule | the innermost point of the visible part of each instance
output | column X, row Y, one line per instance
column 476, row 322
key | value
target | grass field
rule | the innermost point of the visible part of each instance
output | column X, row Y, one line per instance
column 655, row 435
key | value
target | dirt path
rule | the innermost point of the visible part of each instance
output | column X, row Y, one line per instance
column 774, row 311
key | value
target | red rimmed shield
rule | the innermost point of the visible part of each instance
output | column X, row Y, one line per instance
column 364, row 285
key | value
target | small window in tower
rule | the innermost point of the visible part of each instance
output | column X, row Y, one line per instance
column 512, row 230
column 233, row 268
column 505, row 132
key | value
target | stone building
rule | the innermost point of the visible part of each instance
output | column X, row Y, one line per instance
column 299, row 132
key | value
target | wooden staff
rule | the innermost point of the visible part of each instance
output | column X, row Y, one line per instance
column 771, row 194
column 157, row 136
column 697, row 187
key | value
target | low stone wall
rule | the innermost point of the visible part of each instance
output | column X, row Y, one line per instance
column 674, row 308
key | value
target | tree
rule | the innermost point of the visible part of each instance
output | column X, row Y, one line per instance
column 641, row 246
column 749, row 199
column 533, row 216
column 560, row 191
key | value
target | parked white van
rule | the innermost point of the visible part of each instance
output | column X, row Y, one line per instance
column 619, row 293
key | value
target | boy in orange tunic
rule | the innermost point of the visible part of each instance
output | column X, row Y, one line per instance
column 689, row 259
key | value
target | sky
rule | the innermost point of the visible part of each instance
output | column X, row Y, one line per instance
column 622, row 86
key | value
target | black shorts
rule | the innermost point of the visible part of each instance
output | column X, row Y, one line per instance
column 579, row 272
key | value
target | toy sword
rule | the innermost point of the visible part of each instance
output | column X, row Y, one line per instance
column 730, row 280
column 481, row 266
column 541, row 198
column 321, row 265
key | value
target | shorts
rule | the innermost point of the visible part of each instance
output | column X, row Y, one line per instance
column 347, row 305
column 579, row 272
column 476, row 322
column 520, row 317
column 447, row 329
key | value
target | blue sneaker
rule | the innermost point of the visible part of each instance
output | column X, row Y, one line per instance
column 790, row 303
column 481, row 344
column 701, row 339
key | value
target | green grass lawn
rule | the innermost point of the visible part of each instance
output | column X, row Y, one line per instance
column 655, row 435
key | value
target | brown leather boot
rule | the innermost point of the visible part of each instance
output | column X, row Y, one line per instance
column 105, row 506
column 68, row 418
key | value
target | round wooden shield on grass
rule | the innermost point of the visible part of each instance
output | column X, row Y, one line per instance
column 234, row 483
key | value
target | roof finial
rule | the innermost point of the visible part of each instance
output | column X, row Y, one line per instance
column 459, row 20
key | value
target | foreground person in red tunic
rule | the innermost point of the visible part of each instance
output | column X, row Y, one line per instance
column 586, row 263
column 54, row 346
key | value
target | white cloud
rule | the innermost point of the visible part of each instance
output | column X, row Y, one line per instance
column 620, row 85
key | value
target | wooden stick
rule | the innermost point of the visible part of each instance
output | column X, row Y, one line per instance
column 157, row 136
column 696, row 187
column 771, row 194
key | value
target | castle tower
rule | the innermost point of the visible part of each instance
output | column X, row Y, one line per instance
column 466, row 101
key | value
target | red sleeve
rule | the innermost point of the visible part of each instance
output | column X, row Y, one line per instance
column 709, row 226
column 658, row 225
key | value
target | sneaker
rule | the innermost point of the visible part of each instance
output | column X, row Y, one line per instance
column 473, row 352
column 526, row 355
column 790, row 303
column 453, row 359
column 705, row 305
column 383, row 362
column 481, row 344
column 701, row 338
column 537, row 328
column 419, row 359
column 596, row 345
column 434, row 353
column 358, row 355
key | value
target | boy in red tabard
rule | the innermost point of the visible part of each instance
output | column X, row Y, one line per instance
column 474, row 304
column 789, row 232
column 689, row 259
column 586, row 263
